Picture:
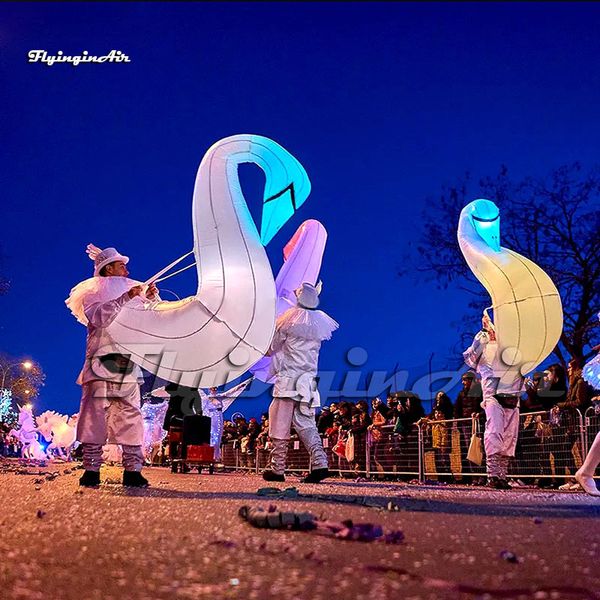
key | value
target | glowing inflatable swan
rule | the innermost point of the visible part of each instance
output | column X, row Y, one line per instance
column 302, row 257
column 527, row 308
column 215, row 336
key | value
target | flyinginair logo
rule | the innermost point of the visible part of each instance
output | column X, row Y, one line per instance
column 42, row 56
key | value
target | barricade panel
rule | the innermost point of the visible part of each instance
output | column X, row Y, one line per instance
column 393, row 454
column 551, row 446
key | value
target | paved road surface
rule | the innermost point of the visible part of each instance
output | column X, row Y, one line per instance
column 183, row 538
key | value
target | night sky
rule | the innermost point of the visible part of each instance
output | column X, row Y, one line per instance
column 381, row 103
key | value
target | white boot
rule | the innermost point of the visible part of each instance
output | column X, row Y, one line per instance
column 314, row 445
column 278, row 456
column 585, row 475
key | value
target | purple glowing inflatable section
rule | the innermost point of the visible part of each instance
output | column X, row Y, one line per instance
column 302, row 257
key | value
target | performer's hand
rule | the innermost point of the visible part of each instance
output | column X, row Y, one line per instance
column 136, row 290
column 487, row 323
column 152, row 291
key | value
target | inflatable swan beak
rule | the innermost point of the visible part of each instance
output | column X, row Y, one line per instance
column 486, row 222
column 287, row 187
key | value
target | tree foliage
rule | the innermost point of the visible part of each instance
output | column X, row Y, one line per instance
column 553, row 220
column 24, row 383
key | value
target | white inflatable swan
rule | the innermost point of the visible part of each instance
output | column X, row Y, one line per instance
column 216, row 335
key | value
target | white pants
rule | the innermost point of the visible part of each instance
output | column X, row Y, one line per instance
column 110, row 413
column 283, row 413
column 501, row 429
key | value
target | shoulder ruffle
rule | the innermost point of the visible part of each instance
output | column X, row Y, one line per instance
column 307, row 324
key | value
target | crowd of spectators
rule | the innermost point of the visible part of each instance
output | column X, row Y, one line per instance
column 552, row 437
column 10, row 446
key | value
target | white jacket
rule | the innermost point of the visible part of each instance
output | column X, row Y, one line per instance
column 295, row 350
column 100, row 315
column 496, row 376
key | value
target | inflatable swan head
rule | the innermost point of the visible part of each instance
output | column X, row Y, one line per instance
column 286, row 189
column 485, row 219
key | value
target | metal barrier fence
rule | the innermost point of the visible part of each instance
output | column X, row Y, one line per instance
column 592, row 425
column 550, row 446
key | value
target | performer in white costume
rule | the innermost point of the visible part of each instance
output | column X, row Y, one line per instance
column 527, row 324
column 295, row 350
column 110, row 403
column 585, row 475
column 214, row 404
column 500, row 402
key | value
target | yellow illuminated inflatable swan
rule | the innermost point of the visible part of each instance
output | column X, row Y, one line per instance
column 527, row 311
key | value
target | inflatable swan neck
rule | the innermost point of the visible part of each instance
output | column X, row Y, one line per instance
column 287, row 185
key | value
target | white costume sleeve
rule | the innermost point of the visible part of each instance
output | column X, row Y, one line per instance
column 277, row 342
column 103, row 314
column 473, row 353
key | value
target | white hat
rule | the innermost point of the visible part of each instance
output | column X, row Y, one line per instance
column 308, row 295
column 104, row 257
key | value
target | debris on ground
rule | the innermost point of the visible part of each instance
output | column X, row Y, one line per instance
column 510, row 557
column 275, row 492
column 271, row 518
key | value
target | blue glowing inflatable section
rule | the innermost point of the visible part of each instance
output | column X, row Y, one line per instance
column 287, row 188
column 486, row 221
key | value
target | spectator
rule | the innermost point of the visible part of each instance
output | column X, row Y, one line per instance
column 532, row 452
column 378, row 436
column 444, row 405
column 241, row 426
column 248, row 443
column 440, row 442
column 468, row 404
column 360, row 423
column 325, row 420
column 409, row 410
column 344, row 416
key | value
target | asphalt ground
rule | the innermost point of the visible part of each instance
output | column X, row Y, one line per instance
column 183, row 538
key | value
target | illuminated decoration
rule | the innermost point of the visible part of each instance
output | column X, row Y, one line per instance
column 302, row 256
column 591, row 371
column 154, row 415
column 5, row 404
column 214, row 336
column 59, row 431
column 213, row 406
column 527, row 311
column 26, row 434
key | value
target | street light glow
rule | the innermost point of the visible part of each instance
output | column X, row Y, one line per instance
column 27, row 365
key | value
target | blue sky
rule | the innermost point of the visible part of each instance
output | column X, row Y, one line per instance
column 381, row 102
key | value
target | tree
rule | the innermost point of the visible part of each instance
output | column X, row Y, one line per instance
column 22, row 378
column 553, row 220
